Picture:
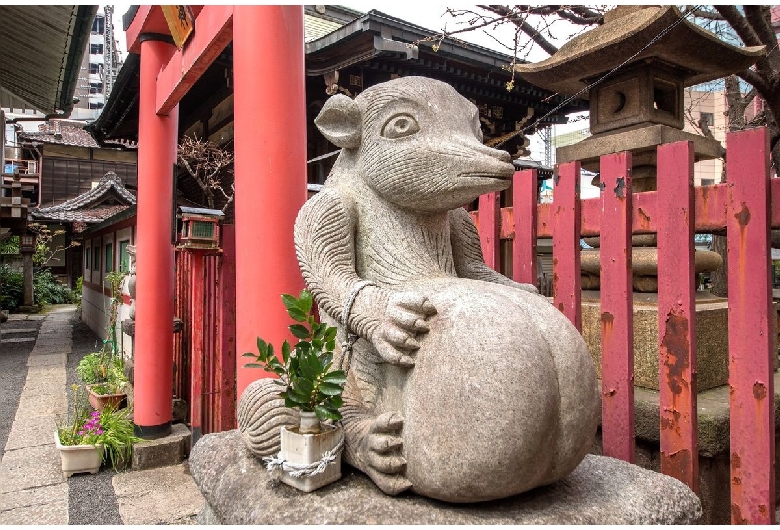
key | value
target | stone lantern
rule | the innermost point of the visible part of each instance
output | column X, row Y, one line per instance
column 27, row 249
column 634, row 69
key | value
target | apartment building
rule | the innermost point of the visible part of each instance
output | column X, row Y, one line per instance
column 99, row 68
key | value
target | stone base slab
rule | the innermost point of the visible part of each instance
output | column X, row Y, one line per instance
column 602, row 490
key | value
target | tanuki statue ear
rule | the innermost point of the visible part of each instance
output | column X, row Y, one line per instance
column 340, row 121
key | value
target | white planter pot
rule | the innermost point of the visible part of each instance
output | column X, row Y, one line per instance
column 79, row 458
column 305, row 449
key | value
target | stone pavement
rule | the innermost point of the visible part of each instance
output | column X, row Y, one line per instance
column 32, row 488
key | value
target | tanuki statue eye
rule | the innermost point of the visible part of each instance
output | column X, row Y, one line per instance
column 399, row 126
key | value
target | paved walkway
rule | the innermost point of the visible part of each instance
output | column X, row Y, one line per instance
column 32, row 488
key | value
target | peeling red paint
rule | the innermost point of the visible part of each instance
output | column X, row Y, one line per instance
column 743, row 216
column 607, row 318
column 677, row 348
column 736, row 462
column 736, row 515
column 759, row 390
column 643, row 218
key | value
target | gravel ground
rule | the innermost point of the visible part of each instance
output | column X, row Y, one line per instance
column 13, row 367
column 91, row 497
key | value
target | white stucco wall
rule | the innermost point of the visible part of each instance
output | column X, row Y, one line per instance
column 94, row 302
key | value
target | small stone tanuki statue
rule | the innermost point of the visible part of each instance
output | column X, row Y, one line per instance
column 463, row 385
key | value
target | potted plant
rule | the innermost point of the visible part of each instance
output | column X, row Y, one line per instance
column 310, row 455
column 89, row 439
column 103, row 374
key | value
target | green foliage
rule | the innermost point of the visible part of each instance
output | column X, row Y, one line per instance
column 305, row 370
column 48, row 290
column 10, row 246
column 102, row 367
column 118, row 436
column 77, row 291
column 114, row 279
column 112, row 428
column 11, row 288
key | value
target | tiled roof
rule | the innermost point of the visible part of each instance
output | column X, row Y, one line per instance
column 315, row 27
column 61, row 132
column 108, row 198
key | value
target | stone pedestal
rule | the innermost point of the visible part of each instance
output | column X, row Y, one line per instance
column 712, row 338
column 238, row 490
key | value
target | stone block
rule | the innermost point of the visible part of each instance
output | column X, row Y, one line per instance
column 166, row 451
column 711, row 339
column 163, row 495
column 642, row 142
column 601, row 490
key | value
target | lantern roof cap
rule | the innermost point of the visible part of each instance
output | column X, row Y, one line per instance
column 629, row 30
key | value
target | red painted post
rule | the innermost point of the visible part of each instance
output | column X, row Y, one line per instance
column 226, row 357
column 524, row 198
column 567, row 281
column 197, row 347
column 751, row 376
column 270, row 150
column 677, row 314
column 154, row 265
column 489, row 227
column 617, row 324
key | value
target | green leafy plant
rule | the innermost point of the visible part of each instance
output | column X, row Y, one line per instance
column 111, row 428
column 11, row 288
column 48, row 290
column 305, row 370
column 103, row 368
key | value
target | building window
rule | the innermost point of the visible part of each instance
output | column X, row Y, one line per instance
column 98, row 26
column 707, row 182
column 95, row 88
column 124, row 257
column 708, row 117
column 96, row 105
column 87, row 258
column 94, row 68
column 96, row 48
column 96, row 260
column 109, row 265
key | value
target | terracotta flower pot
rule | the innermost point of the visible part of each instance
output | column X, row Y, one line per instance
column 99, row 401
column 79, row 458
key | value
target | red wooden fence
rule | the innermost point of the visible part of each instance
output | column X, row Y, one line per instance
column 204, row 352
column 741, row 208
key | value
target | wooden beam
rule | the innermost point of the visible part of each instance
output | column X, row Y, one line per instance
column 213, row 32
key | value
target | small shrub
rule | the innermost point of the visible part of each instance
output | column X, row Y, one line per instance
column 48, row 290
column 11, row 288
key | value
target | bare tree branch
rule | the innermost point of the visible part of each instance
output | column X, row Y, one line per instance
column 208, row 165
column 524, row 26
column 699, row 12
column 735, row 19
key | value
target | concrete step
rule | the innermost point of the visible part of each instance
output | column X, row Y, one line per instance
column 18, row 331
column 18, row 339
column 166, row 451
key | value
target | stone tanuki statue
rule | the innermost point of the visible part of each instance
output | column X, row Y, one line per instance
column 463, row 385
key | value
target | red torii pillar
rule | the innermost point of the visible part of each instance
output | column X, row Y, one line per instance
column 153, row 362
column 270, row 148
